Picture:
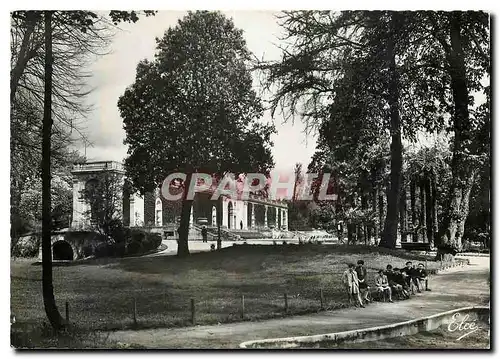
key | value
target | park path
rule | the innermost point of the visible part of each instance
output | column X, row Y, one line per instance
column 455, row 288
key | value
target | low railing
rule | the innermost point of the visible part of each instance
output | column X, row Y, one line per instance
column 98, row 166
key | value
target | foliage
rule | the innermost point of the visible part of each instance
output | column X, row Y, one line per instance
column 73, row 24
column 26, row 246
column 129, row 241
column 359, row 76
column 193, row 108
column 200, row 85
column 78, row 37
column 103, row 196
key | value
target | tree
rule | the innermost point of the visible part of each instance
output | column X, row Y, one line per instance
column 104, row 196
column 193, row 109
column 49, row 301
column 464, row 40
column 344, row 64
column 410, row 76
column 72, row 23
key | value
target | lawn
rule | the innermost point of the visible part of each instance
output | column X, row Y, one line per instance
column 101, row 293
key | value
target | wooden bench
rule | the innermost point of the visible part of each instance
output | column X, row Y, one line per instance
column 382, row 297
column 416, row 246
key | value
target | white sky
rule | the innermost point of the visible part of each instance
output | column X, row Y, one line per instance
column 114, row 72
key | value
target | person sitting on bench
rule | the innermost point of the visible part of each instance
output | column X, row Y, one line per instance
column 391, row 278
column 421, row 275
column 383, row 284
column 399, row 278
column 410, row 275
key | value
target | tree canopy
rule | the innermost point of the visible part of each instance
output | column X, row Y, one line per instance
column 193, row 108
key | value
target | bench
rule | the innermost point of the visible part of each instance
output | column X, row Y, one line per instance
column 382, row 297
column 416, row 246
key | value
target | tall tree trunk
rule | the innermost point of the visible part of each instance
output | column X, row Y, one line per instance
column 219, row 223
column 423, row 206
column 413, row 191
column 375, row 210
column 462, row 167
column 49, row 301
column 364, row 207
column 402, row 214
column 349, row 233
column 182, row 243
column 380, row 215
column 428, row 208
column 435, row 222
column 389, row 235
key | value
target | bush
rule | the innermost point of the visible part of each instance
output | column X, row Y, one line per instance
column 103, row 250
column 119, row 249
column 119, row 233
column 129, row 242
column 88, row 250
column 141, row 242
column 134, row 247
column 151, row 242
column 26, row 246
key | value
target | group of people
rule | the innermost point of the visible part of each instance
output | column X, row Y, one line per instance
column 400, row 282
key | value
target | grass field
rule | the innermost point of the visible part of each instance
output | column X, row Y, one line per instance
column 101, row 292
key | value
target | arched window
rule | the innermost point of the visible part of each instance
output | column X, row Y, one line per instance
column 158, row 213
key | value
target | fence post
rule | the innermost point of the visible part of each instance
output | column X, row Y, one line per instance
column 285, row 296
column 193, row 312
column 321, row 298
column 135, row 311
column 242, row 306
column 67, row 312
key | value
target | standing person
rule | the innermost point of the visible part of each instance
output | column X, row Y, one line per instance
column 415, row 278
column 383, row 284
column 351, row 283
column 204, row 233
column 241, row 224
column 363, row 286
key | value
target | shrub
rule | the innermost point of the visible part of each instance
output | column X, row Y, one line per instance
column 26, row 246
column 103, row 250
column 152, row 241
column 120, row 234
column 119, row 249
column 134, row 247
column 88, row 250
column 141, row 241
